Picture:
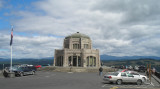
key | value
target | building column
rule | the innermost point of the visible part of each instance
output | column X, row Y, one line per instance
column 92, row 61
column 72, row 60
column 77, row 61
column 89, row 62
column 61, row 60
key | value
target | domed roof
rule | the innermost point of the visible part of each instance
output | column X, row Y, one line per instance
column 78, row 35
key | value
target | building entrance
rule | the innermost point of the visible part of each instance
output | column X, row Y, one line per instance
column 74, row 60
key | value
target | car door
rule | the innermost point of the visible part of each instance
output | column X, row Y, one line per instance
column 26, row 70
column 124, row 77
column 131, row 78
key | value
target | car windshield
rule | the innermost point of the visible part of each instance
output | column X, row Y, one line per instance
column 20, row 68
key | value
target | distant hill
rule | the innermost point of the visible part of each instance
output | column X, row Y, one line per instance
column 107, row 57
column 102, row 57
column 41, row 61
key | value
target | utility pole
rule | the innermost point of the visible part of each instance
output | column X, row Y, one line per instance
column 3, row 66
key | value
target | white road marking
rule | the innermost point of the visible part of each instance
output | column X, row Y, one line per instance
column 104, row 85
column 152, row 84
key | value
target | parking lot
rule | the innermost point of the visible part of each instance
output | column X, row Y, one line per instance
column 64, row 80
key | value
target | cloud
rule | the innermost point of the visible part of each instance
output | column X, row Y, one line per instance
column 1, row 4
column 29, row 47
column 119, row 28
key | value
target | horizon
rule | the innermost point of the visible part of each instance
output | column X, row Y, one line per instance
column 102, row 58
column 116, row 28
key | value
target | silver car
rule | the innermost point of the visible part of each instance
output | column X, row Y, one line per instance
column 122, row 77
column 135, row 74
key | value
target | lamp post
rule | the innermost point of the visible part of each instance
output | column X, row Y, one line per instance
column 3, row 66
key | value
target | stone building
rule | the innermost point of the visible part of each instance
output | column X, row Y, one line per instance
column 77, row 52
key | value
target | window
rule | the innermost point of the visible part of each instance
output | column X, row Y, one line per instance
column 86, row 46
column 59, row 61
column 134, row 73
column 123, row 74
column 115, row 73
column 76, row 46
column 91, row 61
column 66, row 45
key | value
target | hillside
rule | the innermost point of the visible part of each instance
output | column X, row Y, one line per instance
column 26, row 61
column 108, row 57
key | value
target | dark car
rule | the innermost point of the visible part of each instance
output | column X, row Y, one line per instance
column 141, row 69
column 20, row 71
column 122, row 67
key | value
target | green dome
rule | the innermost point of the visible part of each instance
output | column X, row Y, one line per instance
column 78, row 35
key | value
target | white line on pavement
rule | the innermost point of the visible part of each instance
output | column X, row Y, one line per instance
column 104, row 85
column 152, row 83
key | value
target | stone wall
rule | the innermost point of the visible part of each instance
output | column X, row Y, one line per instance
column 75, row 69
column 1, row 74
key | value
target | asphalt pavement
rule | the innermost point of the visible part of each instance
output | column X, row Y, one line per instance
column 65, row 80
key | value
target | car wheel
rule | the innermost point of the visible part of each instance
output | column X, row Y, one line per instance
column 33, row 72
column 139, row 82
column 119, row 82
column 21, row 74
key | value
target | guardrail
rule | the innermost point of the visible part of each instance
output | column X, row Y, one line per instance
column 157, row 74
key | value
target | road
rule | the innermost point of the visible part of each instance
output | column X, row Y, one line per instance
column 61, row 80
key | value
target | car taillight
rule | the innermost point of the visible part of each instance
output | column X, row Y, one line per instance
column 110, row 77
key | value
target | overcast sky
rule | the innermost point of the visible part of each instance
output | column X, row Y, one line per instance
column 116, row 27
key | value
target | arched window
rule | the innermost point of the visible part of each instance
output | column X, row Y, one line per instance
column 74, row 61
column 91, row 61
column 59, row 61
column 76, row 46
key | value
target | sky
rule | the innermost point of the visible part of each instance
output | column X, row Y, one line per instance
column 116, row 27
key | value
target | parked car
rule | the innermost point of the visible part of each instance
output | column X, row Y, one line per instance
column 122, row 77
column 130, row 67
column 136, row 68
column 122, row 67
column 141, row 69
column 20, row 71
column 38, row 66
column 45, row 65
column 135, row 74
